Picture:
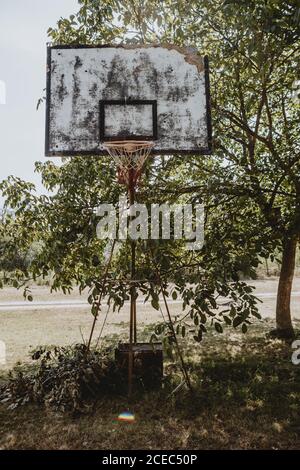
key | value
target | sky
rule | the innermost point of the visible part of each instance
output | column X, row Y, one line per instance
column 23, row 38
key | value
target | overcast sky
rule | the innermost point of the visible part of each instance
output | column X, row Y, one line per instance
column 23, row 38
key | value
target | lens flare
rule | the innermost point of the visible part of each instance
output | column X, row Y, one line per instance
column 126, row 416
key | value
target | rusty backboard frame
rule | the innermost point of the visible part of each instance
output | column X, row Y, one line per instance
column 192, row 58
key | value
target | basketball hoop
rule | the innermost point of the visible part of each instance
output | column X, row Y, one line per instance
column 126, row 127
column 130, row 157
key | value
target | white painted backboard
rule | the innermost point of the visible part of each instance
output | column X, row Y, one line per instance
column 159, row 92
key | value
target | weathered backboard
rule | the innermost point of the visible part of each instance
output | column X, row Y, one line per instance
column 101, row 93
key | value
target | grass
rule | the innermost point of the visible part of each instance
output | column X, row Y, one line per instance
column 25, row 328
column 246, row 396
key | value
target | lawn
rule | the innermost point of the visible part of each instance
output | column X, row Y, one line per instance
column 246, row 396
column 31, row 325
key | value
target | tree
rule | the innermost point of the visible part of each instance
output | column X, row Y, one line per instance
column 257, row 119
column 254, row 51
column 64, row 224
column 253, row 171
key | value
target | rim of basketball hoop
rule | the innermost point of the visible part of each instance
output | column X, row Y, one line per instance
column 128, row 145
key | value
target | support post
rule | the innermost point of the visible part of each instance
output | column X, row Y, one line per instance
column 132, row 327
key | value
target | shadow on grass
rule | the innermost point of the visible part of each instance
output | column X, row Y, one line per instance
column 246, row 394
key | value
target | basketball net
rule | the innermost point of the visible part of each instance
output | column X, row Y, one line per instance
column 130, row 157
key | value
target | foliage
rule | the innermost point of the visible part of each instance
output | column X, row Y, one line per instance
column 65, row 379
column 254, row 55
column 251, row 183
column 71, row 251
column 249, row 186
column 201, row 305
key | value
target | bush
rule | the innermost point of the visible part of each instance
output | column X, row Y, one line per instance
column 67, row 379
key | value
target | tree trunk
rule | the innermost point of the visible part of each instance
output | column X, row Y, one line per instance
column 284, row 326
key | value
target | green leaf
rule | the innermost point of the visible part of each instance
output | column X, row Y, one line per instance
column 237, row 321
column 227, row 320
column 155, row 304
column 95, row 310
column 158, row 329
column 256, row 314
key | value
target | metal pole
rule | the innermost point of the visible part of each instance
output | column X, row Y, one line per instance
column 132, row 327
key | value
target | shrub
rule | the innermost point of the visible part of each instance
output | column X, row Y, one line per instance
column 67, row 379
